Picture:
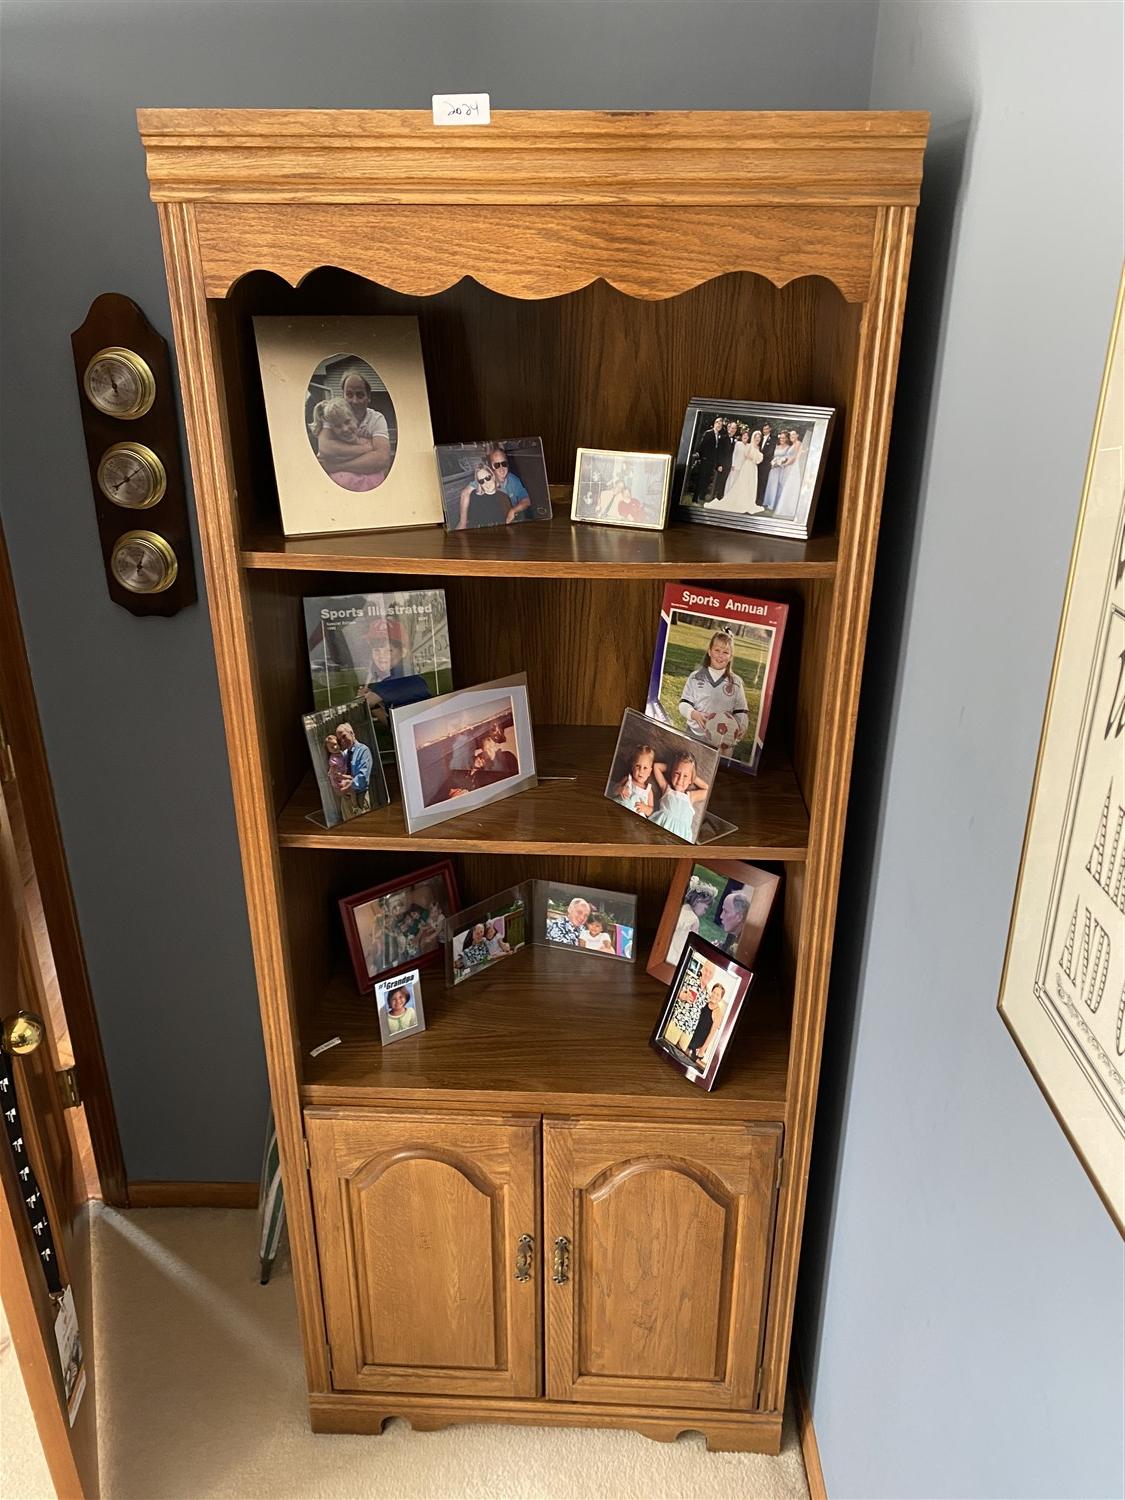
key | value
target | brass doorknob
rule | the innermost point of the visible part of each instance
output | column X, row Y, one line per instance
column 22, row 1033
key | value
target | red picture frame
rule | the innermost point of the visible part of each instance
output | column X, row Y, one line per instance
column 364, row 928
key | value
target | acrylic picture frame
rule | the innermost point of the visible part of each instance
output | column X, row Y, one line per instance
column 668, row 815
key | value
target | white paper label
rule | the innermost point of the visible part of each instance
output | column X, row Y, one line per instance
column 71, row 1360
column 462, row 109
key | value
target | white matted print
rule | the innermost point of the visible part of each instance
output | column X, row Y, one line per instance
column 398, row 1002
column 615, row 488
column 349, row 423
column 1062, row 993
column 464, row 750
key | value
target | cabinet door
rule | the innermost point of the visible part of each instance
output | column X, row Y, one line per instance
column 427, row 1286
column 656, row 1255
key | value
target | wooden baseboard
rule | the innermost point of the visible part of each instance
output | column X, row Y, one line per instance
column 810, row 1450
column 193, row 1195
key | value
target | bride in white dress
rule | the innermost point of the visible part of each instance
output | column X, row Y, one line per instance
column 741, row 494
column 786, row 508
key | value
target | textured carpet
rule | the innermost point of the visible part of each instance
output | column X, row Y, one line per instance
column 201, row 1393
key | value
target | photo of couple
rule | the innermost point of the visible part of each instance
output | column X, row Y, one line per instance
column 351, row 422
column 621, row 489
column 345, row 758
column 467, row 749
column 592, row 921
column 493, row 483
column 725, row 902
column 700, row 1012
column 752, row 466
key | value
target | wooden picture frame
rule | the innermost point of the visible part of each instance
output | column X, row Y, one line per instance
column 730, row 874
column 351, row 907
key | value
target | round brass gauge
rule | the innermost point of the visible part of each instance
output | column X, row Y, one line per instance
column 131, row 476
column 119, row 383
column 143, row 562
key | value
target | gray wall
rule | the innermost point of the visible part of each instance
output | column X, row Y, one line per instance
column 147, row 817
column 962, row 1312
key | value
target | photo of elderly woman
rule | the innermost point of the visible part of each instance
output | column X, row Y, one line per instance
column 493, row 483
column 398, row 1003
column 351, row 422
column 487, row 933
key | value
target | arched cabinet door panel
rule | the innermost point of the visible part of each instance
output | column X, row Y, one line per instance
column 419, row 1220
column 656, row 1256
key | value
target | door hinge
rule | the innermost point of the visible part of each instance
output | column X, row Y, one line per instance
column 67, row 1080
column 308, row 1158
column 780, row 1174
column 759, row 1381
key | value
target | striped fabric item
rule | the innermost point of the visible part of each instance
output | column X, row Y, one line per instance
column 271, row 1204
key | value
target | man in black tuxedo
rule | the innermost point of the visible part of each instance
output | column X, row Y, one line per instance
column 722, row 469
column 769, row 443
column 714, row 452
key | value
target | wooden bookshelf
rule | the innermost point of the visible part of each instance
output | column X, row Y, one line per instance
column 544, row 1175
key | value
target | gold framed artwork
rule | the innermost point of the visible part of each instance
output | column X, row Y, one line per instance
column 1061, row 993
column 349, row 423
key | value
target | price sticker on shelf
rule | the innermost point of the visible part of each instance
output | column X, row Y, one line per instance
column 462, row 109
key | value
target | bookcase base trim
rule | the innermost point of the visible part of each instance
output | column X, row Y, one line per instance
column 725, row 1432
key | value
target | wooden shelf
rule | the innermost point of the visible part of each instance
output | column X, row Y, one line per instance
column 551, row 549
column 543, row 1030
column 570, row 815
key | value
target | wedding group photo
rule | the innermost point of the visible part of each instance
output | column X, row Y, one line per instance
column 493, row 483
column 752, row 466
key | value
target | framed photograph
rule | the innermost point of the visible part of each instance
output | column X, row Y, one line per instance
column 704, row 1001
column 349, row 423
column 398, row 1002
column 487, row 933
column 752, row 466
column 345, row 757
column 621, row 489
column 463, row 750
column 663, row 775
column 493, row 483
column 714, row 669
column 724, row 901
column 389, row 649
column 400, row 924
column 585, row 919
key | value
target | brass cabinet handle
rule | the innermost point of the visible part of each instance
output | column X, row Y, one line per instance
column 561, row 1273
column 525, row 1249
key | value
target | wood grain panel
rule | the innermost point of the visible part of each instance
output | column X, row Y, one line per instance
column 724, row 1431
column 570, row 814
column 546, row 251
column 418, row 1218
column 670, row 1231
column 543, row 1030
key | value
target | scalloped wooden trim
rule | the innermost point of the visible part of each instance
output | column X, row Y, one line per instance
column 542, row 251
